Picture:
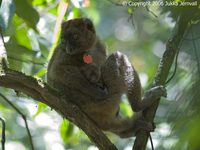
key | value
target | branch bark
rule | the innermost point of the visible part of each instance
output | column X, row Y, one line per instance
column 40, row 91
column 161, row 76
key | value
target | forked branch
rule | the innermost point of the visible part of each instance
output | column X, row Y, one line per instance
column 161, row 76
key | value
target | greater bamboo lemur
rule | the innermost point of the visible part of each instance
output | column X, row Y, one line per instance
column 79, row 69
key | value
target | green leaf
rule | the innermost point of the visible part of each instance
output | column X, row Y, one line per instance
column 41, row 107
column 21, row 34
column 54, row 10
column 7, row 12
column 76, row 12
column 66, row 130
column 40, row 2
column 17, row 54
column 45, row 46
column 25, row 11
column 130, row 10
column 41, row 72
column 19, row 49
column 10, row 30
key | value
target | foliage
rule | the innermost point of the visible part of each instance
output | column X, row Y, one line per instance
column 31, row 32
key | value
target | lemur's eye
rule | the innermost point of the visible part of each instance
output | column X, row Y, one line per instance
column 63, row 40
column 75, row 36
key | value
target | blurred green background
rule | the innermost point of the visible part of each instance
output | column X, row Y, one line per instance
column 31, row 30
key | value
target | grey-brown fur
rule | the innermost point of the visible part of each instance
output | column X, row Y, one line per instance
column 100, row 100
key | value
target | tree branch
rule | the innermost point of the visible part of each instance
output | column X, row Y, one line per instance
column 24, row 118
column 3, row 140
column 40, row 91
column 161, row 76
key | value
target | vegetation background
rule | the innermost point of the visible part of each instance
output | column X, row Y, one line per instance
column 31, row 30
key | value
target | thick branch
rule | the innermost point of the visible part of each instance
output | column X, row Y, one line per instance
column 40, row 91
column 161, row 76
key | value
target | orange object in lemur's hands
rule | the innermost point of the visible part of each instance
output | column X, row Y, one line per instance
column 87, row 58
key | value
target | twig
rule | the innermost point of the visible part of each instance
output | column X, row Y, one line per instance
column 152, row 147
column 176, row 59
column 193, row 39
column 151, row 12
column 23, row 116
column 131, row 17
column 3, row 140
